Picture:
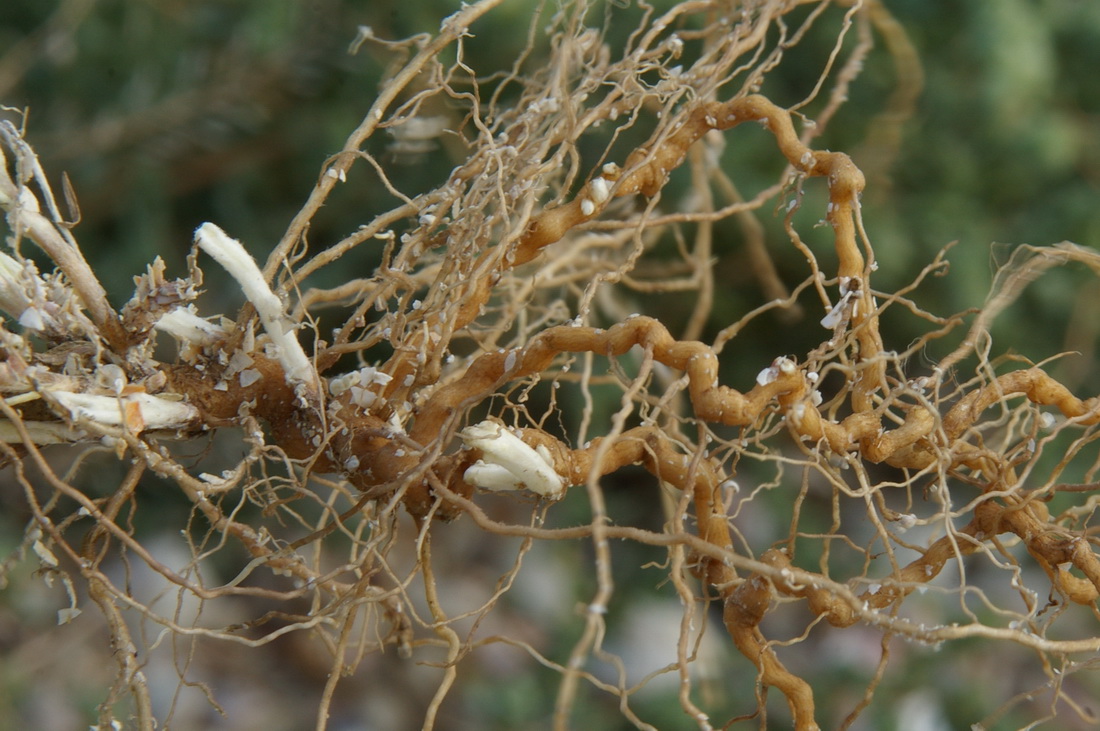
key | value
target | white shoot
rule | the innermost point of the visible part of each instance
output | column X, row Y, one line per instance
column 111, row 411
column 508, row 463
column 242, row 267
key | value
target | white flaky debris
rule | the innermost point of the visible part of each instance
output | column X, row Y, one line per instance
column 359, row 383
column 68, row 614
column 783, row 365
column 45, row 555
column 600, row 189
column 419, row 128
column 835, row 315
column 183, row 324
column 111, row 411
column 111, row 377
column 18, row 283
column 846, row 306
column 33, row 319
column 508, row 463
column 249, row 376
column 242, row 267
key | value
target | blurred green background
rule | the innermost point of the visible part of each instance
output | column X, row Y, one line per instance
column 170, row 113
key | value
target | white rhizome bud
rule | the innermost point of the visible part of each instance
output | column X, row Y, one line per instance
column 508, row 463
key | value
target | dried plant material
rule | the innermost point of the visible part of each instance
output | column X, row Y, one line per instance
column 491, row 349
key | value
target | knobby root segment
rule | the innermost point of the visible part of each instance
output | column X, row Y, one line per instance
column 913, row 444
column 646, row 171
column 743, row 610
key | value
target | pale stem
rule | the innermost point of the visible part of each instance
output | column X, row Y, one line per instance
column 242, row 267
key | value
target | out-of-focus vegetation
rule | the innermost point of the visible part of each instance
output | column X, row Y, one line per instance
column 167, row 114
